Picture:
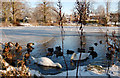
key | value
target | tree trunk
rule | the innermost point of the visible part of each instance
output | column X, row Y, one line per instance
column 44, row 12
column 14, row 19
column 115, row 23
column 44, row 18
column 6, row 20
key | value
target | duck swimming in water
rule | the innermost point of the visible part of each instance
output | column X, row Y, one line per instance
column 93, row 53
column 44, row 61
column 50, row 52
column 58, row 51
column 100, row 41
column 50, row 49
column 95, row 44
column 70, row 52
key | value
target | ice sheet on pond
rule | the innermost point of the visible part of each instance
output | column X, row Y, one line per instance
column 43, row 34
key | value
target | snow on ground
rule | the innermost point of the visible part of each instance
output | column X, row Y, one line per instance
column 25, row 24
column 114, row 71
column 34, row 72
column 82, row 72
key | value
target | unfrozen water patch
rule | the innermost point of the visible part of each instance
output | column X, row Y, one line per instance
column 72, row 43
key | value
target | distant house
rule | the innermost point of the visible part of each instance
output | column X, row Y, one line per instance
column 69, row 18
column 114, row 18
column 93, row 18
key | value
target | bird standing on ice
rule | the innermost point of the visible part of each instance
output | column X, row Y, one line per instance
column 44, row 61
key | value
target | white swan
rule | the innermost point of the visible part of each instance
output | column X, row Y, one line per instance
column 44, row 61
column 76, row 56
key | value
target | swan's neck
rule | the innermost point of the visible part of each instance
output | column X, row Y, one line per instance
column 72, row 57
column 58, row 65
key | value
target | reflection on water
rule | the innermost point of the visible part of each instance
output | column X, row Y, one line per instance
column 71, row 43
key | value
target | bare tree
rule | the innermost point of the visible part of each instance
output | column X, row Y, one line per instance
column 107, row 7
column 16, row 10
column 0, row 9
column 101, row 13
column 107, row 10
column 54, row 14
column 57, row 15
column 0, row 13
column 31, row 15
column 91, row 6
column 82, row 10
column 12, row 10
column 6, row 11
column 61, row 16
column 101, row 10
column 45, row 8
column 44, row 12
column 37, row 14
column 28, row 12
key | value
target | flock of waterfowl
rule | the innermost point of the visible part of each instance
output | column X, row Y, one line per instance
column 10, row 49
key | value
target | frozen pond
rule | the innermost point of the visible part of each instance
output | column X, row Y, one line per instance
column 72, row 43
column 41, row 34
column 49, row 37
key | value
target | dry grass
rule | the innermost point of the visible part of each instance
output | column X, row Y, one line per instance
column 9, row 70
